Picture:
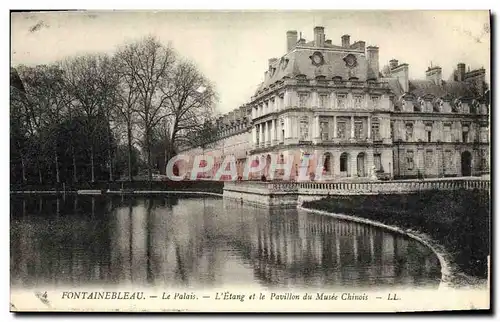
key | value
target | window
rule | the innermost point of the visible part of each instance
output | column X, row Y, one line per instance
column 303, row 99
column 429, row 162
column 358, row 130
column 358, row 99
column 465, row 133
column 392, row 130
column 409, row 132
column 377, row 161
column 342, row 130
column 304, row 129
column 484, row 160
column 375, row 101
column 409, row 159
column 428, row 132
column 484, row 134
column 343, row 162
column 324, row 131
column 376, row 131
column 448, row 159
column 447, row 133
column 323, row 101
column 257, row 133
column 327, row 163
column 341, row 98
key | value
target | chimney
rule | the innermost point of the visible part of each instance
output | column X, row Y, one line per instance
column 291, row 39
column 346, row 41
column 393, row 63
column 460, row 72
column 328, row 42
column 319, row 36
column 360, row 45
column 434, row 74
column 372, row 59
column 271, row 61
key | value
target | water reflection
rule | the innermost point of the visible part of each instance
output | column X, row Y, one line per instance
column 203, row 242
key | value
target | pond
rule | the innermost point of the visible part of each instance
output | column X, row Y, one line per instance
column 204, row 242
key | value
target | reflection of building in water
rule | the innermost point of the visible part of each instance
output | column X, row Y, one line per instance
column 208, row 242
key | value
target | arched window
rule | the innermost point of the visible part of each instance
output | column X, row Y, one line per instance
column 344, row 158
column 327, row 163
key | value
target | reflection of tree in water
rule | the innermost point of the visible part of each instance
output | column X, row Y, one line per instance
column 193, row 242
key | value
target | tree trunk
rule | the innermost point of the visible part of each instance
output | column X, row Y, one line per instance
column 110, row 164
column 92, row 164
column 75, row 177
column 40, row 174
column 57, row 167
column 129, row 138
column 148, row 151
column 23, row 169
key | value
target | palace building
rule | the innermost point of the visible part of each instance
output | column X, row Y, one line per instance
column 335, row 106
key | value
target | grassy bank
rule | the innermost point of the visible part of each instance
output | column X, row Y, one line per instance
column 458, row 220
column 202, row 186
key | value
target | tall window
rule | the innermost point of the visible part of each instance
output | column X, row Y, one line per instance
column 447, row 133
column 377, row 161
column 341, row 98
column 428, row 132
column 324, row 128
column 358, row 100
column 282, row 138
column 303, row 99
column 375, row 131
column 323, row 101
column 449, row 159
column 343, row 162
column 409, row 132
column 358, row 130
column 392, row 130
column 484, row 134
column 341, row 130
column 484, row 160
column 304, row 129
column 465, row 133
column 429, row 161
column 409, row 159
column 327, row 163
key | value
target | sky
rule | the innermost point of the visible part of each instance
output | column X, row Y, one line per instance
column 232, row 48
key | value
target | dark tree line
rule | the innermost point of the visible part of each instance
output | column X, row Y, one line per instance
column 101, row 117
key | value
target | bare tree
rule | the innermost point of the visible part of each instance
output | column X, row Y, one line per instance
column 90, row 83
column 191, row 99
column 149, row 64
column 127, row 96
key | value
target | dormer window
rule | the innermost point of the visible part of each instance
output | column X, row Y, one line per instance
column 358, row 99
column 438, row 105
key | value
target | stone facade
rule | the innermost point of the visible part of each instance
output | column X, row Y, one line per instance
column 331, row 105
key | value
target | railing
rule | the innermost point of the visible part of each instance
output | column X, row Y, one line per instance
column 372, row 187
column 393, row 186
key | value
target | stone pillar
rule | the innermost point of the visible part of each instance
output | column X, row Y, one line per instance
column 317, row 128
column 286, row 100
column 261, row 127
column 254, row 135
column 370, row 170
column 352, row 126
column 273, row 131
column 335, row 126
column 369, row 125
column 264, row 134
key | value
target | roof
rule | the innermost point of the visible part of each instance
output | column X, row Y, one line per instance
column 394, row 85
column 451, row 88
column 298, row 62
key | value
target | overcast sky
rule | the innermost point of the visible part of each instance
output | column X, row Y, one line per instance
column 232, row 48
